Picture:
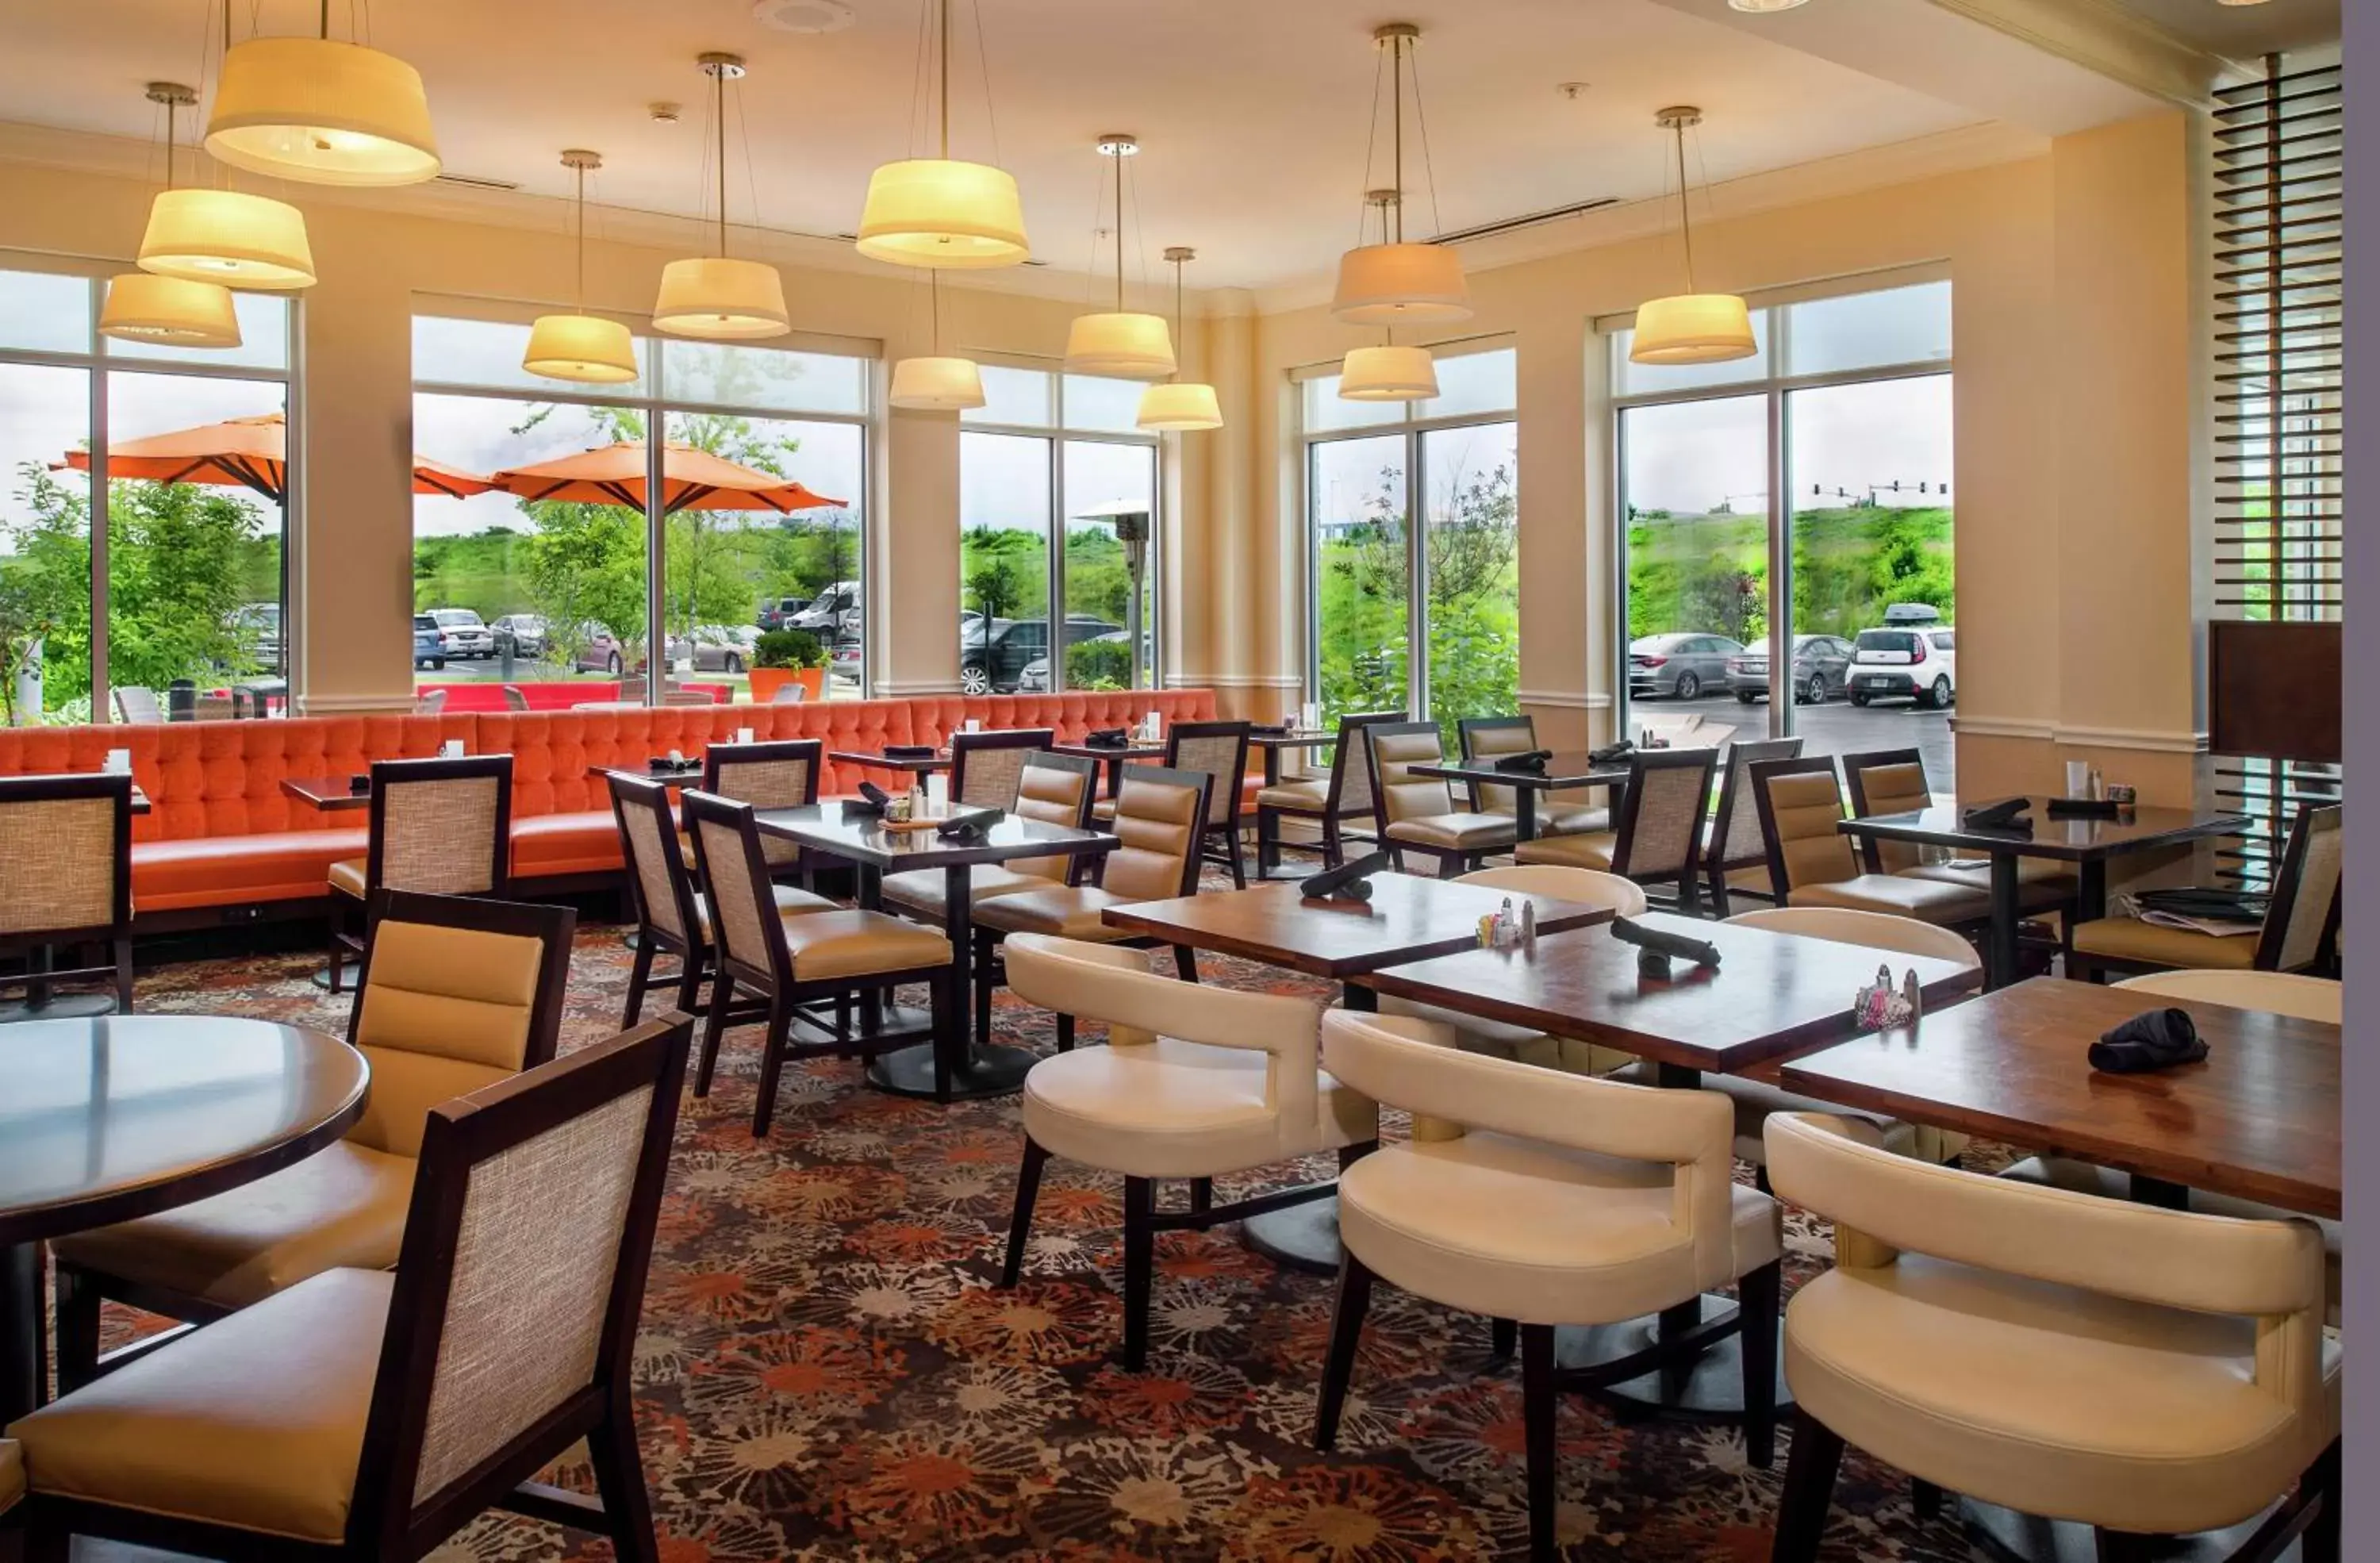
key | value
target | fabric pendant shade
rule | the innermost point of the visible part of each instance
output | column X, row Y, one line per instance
column 1692, row 328
column 227, row 237
column 1388, row 374
column 323, row 113
column 144, row 307
column 943, row 213
column 937, row 384
column 716, row 297
column 1120, row 345
column 1180, row 406
column 586, row 349
column 1401, row 284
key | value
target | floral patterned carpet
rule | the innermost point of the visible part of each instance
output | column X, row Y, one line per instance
column 827, row 1369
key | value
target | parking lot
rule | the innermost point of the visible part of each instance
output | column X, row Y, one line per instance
column 1840, row 728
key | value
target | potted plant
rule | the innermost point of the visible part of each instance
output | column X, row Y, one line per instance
column 787, row 656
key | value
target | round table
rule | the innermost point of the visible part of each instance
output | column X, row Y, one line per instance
column 104, row 1119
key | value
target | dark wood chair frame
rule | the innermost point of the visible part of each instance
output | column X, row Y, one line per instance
column 1219, row 840
column 653, row 941
column 963, row 743
column 992, row 971
column 1453, row 862
column 1088, row 770
column 1466, row 735
column 1270, row 844
column 114, row 935
column 81, row 1291
column 1758, row 775
column 1688, row 876
column 810, row 749
column 775, row 995
column 1722, row 854
column 386, row 1522
column 397, row 773
column 2287, row 881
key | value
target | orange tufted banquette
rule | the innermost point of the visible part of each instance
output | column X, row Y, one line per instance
column 221, row 833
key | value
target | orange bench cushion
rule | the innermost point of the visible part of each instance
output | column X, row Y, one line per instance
column 238, row 870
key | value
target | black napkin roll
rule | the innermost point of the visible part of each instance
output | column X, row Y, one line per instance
column 1660, row 941
column 359, row 785
column 662, row 764
column 1531, row 763
column 1106, row 738
column 2008, row 813
column 2085, row 808
column 1610, row 752
column 1349, row 881
column 908, row 751
column 971, row 826
column 2152, row 1039
column 1272, row 730
column 871, row 800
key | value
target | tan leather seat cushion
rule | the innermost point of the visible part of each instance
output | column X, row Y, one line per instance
column 342, row 1208
column 1928, row 901
column 2129, row 938
column 920, row 890
column 12, row 1474
column 1572, row 819
column 1302, row 797
column 1468, row 831
column 256, row 1421
column 1477, row 1034
column 347, row 878
column 1068, row 913
column 826, row 945
column 1519, row 1229
column 2067, row 1402
column 1756, row 1100
column 1591, row 850
column 2032, row 873
column 791, row 902
column 1169, row 1109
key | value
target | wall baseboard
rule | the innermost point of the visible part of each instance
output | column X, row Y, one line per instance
column 1566, row 700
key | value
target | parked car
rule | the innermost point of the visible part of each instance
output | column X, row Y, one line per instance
column 1821, row 662
column 528, row 631
column 835, row 611
column 1679, row 664
column 1921, row 663
column 1034, row 677
column 844, row 665
column 463, row 633
column 992, row 660
column 429, row 651
column 258, row 625
column 715, row 648
column 600, row 651
column 778, row 613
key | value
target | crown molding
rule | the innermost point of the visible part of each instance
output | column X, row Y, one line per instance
column 2111, row 41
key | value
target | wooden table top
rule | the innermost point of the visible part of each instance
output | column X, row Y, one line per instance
column 109, row 1119
column 1134, row 750
column 1408, row 917
column 1315, row 740
column 326, row 792
column 2258, row 1119
column 862, row 839
column 920, row 765
column 1773, row 994
column 2074, row 841
column 1566, row 770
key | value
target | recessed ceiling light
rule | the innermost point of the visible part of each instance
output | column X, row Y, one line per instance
column 1761, row 8
column 803, row 15
column 2238, row 2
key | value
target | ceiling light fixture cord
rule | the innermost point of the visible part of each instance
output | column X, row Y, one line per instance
column 1371, row 144
column 751, row 178
column 944, row 7
column 1119, row 187
column 718, row 114
column 983, row 63
column 1686, row 207
column 1397, row 122
column 1428, row 170
column 579, row 206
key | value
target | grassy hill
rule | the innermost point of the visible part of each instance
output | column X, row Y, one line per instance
column 1711, row 572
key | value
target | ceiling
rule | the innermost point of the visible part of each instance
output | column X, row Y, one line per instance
column 1253, row 113
column 2243, row 32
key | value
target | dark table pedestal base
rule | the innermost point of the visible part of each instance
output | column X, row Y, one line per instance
column 2011, row 1537
column 61, row 1005
column 23, row 1372
column 1711, row 1389
column 1303, row 1237
column 986, row 1072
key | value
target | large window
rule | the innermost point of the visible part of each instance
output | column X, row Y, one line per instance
column 187, row 499
column 1057, row 505
column 1413, row 531
column 577, row 563
column 1786, row 530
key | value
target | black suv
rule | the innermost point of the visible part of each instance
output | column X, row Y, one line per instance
column 993, row 664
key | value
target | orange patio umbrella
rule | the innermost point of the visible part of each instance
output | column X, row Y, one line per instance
column 250, row 453
column 691, row 480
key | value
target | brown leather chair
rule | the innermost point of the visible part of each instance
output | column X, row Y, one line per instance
column 1893, row 782
column 1218, row 750
column 1417, row 813
column 457, row 993
column 1054, row 788
column 1344, row 794
column 440, row 826
column 1657, row 838
column 65, row 877
column 1811, row 862
column 2300, row 925
column 377, row 1411
column 1735, row 860
column 1488, row 739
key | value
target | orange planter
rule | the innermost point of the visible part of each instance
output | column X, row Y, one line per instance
column 766, row 682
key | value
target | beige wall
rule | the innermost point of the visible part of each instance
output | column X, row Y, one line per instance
column 2073, row 276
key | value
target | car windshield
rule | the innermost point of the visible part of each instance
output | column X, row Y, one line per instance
column 463, row 617
column 1888, row 640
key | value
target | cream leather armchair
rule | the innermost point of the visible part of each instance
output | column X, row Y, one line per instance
column 2138, row 1370
column 1548, row 1199
column 1195, row 1083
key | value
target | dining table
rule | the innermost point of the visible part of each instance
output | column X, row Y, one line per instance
column 950, row 1065
column 1112, row 758
column 2086, row 841
column 1771, row 996
column 106, row 1119
column 922, row 765
column 1274, row 744
column 1569, row 771
column 331, row 793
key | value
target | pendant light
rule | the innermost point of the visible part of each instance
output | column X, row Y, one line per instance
column 1120, row 344
column 937, row 384
column 322, row 113
column 715, row 297
column 938, row 212
column 1388, row 373
column 578, row 346
column 1179, row 406
column 223, row 236
column 1690, row 327
column 1395, row 283
column 170, row 312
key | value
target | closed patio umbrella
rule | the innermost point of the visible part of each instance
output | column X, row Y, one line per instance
column 247, row 453
column 692, row 479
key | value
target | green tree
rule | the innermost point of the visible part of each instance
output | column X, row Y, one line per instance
column 992, row 589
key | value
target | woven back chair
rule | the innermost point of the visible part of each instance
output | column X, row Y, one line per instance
column 1217, row 749
column 987, row 767
column 440, row 826
column 778, row 775
column 1660, row 823
column 2301, row 921
column 136, row 703
column 1887, row 782
column 65, row 878
column 1345, row 793
column 661, row 893
column 1491, row 739
column 1056, row 790
column 504, row 1336
column 1732, row 840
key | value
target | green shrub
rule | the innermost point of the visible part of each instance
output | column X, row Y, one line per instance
column 1099, row 664
column 788, row 649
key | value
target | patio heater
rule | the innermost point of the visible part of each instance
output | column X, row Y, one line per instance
column 1130, row 518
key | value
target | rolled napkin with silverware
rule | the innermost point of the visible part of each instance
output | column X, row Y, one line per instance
column 908, row 751
column 1530, row 764
column 1349, row 881
column 1660, row 941
column 871, row 800
column 2150, row 1040
column 1610, row 752
column 971, row 826
column 1106, row 738
column 2006, row 815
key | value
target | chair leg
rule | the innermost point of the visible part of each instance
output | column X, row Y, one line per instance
column 1334, row 851
column 1924, row 1500
column 1139, row 1267
column 772, row 1064
column 1185, row 963
column 1346, row 1334
column 1239, row 864
column 338, row 950
column 2123, row 1546
column 2323, row 1479
column 1719, row 895
column 640, row 976
column 1503, row 1337
column 714, row 1026
column 1202, row 1195
column 689, row 985
column 1537, row 1406
column 1066, row 1034
column 78, row 1327
column 124, row 976
column 620, row 1482
column 1268, row 841
column 1756, row 1297
column 1809, row 1491
column 1020, row 1223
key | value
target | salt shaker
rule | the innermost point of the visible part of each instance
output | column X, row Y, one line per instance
column 1529, row 926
